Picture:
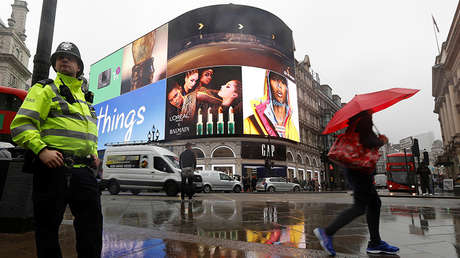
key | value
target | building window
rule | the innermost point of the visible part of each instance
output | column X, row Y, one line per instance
column 299, row 159
column 223, row 152
column 13, row 81
column 290, row 158
column 199, row 154
column 228, row 169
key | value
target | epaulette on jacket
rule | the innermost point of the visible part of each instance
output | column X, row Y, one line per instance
column 45, row 82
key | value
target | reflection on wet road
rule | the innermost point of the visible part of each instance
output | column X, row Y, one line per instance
column 418, row 231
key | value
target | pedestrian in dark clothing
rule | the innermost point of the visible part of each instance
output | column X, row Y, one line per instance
column 366, row 199
column 187, row 163
column 295, row 180
column 303, row 184
column 58, row 126
column 254, row 183
column 424, row 173
column 245, row 183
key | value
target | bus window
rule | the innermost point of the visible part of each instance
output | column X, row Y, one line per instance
column 9, row 102
column 400, row 159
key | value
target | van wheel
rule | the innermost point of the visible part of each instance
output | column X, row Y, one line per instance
column 207, row 189
column 237, row 189
column 135, row 191
column 171, row 189
column 114, row 187
column 271, row 189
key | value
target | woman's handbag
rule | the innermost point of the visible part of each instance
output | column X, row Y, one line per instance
column 347, row 151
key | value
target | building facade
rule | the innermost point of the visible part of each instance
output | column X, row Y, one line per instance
column 14, row 54
column 446, row 93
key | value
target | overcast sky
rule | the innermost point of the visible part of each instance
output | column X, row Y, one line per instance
column 355, row 46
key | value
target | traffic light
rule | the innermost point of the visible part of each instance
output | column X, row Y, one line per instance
column 331, row 166
column 415, row 148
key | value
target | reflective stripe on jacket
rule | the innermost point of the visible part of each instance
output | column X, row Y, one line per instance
column 47, row 119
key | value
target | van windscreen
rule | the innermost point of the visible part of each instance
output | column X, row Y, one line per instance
column 174, row 160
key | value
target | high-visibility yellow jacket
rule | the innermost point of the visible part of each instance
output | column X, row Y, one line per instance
column 46, row 119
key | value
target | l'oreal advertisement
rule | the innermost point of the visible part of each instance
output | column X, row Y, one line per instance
column 131, row 116
column 203, row 102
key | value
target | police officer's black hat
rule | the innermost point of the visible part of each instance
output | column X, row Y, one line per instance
column 67, row 48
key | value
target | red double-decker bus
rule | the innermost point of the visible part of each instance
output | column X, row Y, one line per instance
column 10, row 102
column 400, row 172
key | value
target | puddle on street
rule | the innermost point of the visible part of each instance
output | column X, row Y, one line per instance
column 287, row 224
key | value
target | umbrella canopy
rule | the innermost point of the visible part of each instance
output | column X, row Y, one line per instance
column 374, row 101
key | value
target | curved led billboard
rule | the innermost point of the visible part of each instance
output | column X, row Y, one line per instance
column 223, row 70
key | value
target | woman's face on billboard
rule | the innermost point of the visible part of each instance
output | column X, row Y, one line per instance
column 279, row 89
column 206, row 76
column 175, row 98
column 228, row 90
column 190, row 82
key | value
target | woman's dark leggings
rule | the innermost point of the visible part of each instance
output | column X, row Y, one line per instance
column 366, row 200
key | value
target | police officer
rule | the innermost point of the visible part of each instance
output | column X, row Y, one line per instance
column 58, row 125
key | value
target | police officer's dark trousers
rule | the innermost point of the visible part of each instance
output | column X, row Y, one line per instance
column 51, row 194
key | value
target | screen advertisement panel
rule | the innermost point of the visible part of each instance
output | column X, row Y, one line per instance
column 215, row 71
column 230, row 35
column 131, row 116
column 105, row 77
column 144, row 60
column 204, row 102
column 269, row 104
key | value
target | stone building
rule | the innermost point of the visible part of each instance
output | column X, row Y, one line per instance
column 14, row 54
column 446, row 91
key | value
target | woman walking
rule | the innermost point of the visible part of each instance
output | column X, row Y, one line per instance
column 366, row 199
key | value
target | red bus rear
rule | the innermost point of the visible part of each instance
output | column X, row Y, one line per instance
column 10, row 101
column 400, row 172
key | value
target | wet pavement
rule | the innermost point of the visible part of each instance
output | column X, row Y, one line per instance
column 257, row 225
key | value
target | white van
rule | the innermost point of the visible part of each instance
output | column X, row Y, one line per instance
column 143, row 167
column 219, row 181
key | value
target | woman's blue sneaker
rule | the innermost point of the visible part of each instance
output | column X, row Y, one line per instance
column 325, row 241
column 383, row 247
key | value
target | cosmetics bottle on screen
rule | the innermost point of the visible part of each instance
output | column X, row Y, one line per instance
column 209, row 125
column 231, row 121
column 199, row 124
column 220, row 121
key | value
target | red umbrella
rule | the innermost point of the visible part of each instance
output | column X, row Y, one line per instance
column 374, row 101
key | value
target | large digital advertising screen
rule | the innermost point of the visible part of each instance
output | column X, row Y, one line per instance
column 224, row 70
column 131, row 117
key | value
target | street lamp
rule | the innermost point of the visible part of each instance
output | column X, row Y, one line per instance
column 153, row 134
